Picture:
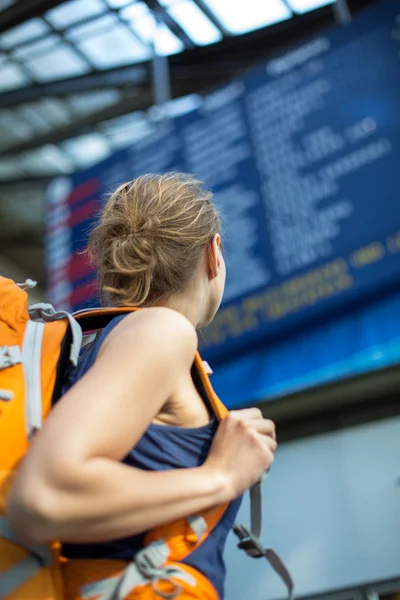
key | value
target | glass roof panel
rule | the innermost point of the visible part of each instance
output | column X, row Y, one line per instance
column 34, row 117
column 9, row 168
column 118, row 3
column 195, row 23
column 11, row 76
column 61, row 62
column 113, row 48
column 142, row 21
column 88, row 149
column 171, row 2
column 124, row 133
column 241, row 16
column 57, row 111
column 74, row 11
column 22, row 33
column 137, row 11
column 166, row 42
column 93, row 101
column 95, row 27
column 303, row 6
column 48, row 160
column 37, row 47
column 13, row 128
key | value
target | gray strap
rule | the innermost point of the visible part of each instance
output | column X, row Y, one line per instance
column 12, row 579
column 32, row 358
column 39, row 557
column 118, row 588
column 254, row 548
column 198, row 525
column 146, row 568
column 10, row 356
column 280, row 568
column 27, row 285
column 106, row 589
column 47, row 313
column 256, row 509
column 40, row 551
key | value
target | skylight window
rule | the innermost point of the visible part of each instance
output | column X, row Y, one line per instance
column 143, row 22
column 127, row 130
column 61, row 62
column 196, row 24
column 9, row 168
column 17, row 128
column 241, row 16
column 27, row 50
column 11, row 77
column 115, row 47
column 55, row 110
column 118, row 3
column 23, row 33
column 303, row 6
column 74, row 11
column 95, row 27
column 94, row 101
column 48, row 160
column 35, row 118
column 88, row 149
column 13, row 128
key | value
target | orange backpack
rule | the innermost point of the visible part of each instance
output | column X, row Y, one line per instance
column 37, row 344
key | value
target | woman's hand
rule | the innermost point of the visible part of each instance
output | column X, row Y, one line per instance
column 243, row 449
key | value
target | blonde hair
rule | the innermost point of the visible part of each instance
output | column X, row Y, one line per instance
column 150, row 237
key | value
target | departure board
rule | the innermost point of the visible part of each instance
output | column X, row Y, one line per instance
column 302, row 155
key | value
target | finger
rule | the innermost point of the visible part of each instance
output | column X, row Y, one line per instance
column 247, row 414
column 269, row 442
column 264, row 427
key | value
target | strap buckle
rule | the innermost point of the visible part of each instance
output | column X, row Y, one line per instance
column 151, row 559
column 10, row 356
column 249, row 542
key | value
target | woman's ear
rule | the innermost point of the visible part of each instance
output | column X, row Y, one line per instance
column 214, row 257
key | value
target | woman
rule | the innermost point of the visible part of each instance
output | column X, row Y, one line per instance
column 132, row 445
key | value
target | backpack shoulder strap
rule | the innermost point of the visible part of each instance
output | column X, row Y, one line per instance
column 47, row 313
column 217, row 406
column 94, row 319
column 249, row 538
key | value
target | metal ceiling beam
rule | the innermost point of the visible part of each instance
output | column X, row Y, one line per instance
column 15, row 182
column 120, row 77
column 79, row 126
column 290, row 8
column 163, row 15
column 128, row 105
column 213, row 17
column 22, row 11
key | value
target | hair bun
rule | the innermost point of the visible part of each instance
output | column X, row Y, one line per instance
column 150, row 237
column 137, row 252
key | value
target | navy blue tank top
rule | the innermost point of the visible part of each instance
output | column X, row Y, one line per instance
column 162, row 447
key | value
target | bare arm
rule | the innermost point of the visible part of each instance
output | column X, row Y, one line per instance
column 72, row 485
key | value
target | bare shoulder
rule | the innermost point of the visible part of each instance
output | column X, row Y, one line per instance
column 156, row 330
